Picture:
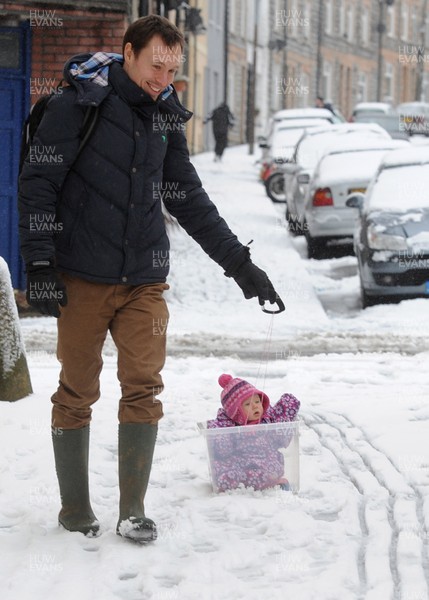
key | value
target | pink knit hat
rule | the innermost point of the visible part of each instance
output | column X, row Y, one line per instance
column 234, row 393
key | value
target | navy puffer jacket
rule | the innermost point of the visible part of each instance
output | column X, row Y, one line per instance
column 99, row 217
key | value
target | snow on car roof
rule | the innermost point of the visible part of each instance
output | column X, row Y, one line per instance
column 310, row 153
column 352, row 166
column 303, row 123
column 372, row 106
column 344, row 128
column 412, row 104
column 362, row 143
column 399, row 189
column 413, row 155
column 302, row 113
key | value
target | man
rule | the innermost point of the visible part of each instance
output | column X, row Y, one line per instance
column 320, row 103
column 222, row 119
column 99, row 268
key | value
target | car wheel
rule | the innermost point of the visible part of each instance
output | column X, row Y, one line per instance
column 275, row 188
column 366, row 299
column 315, row 246
column 293, row 225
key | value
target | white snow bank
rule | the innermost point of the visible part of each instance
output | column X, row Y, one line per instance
column 12, row 346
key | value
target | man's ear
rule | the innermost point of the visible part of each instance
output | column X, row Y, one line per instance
column 128, row 51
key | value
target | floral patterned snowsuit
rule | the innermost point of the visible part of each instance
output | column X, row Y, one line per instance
column 252, row 456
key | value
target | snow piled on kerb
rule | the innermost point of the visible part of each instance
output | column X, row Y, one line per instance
column 12, row 346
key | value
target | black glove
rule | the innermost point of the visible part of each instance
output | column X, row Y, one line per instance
column 254, row 282
column 45, row 290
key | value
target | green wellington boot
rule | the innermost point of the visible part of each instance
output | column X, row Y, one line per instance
column 71, row 448
column 135, row 452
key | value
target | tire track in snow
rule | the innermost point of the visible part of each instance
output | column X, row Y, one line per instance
column 312, row 424
column 378, row 517
column 40, row 343
column 418, row 525
column 408, row 555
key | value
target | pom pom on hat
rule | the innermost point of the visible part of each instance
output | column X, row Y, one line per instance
column 224, row 379
column 235, row 392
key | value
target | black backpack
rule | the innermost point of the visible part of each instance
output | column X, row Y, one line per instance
column 34, row 118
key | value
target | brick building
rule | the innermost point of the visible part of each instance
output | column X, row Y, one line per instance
column 36, row 38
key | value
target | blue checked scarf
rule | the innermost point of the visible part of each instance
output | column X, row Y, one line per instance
column 96, row 69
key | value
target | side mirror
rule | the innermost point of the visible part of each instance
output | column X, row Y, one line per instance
column 355, row 200
column 304, row 178
column 261, row 139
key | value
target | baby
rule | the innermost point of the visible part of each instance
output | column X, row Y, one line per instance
column 253, row 460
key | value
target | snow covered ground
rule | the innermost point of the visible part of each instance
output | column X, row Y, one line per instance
column 359, row 527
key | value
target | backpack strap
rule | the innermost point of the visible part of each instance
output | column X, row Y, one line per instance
column 89, row 122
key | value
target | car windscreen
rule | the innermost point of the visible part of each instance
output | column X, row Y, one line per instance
column 287, row 137
column 398, row 189
column 388, row 122
column 363, row 111
column 309, row 152
column 411, row 109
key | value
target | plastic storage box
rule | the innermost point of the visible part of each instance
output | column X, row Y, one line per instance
column 257, row 456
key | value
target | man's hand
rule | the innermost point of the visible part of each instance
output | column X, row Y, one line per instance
column 45, row 290
column 254, row 282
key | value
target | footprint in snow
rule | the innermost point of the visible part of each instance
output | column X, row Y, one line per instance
column 126, row 576
column 325, row 516
column 91, row 548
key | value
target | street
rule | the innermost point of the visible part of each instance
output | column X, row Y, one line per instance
column 358, row 527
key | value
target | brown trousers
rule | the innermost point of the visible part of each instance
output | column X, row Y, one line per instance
column 137, row 318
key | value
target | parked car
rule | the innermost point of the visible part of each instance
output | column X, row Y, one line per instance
column 414, row 117
column 390, row 122
column 310, row 148
column 381, row 108
column 286, row 116
column 338, row 174
column 280, row 151
column 391, row 240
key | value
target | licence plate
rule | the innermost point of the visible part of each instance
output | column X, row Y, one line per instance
column 354, row 190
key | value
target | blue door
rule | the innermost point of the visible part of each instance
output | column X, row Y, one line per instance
column 14, row 101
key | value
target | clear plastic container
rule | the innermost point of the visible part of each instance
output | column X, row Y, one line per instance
column 257, row 456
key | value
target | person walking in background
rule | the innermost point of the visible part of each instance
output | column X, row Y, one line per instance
column 222, row 119
column 320, row 103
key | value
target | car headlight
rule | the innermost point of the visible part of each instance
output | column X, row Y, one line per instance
column 377, row 240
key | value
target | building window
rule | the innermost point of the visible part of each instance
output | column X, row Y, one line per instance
column 327, row 80
column 390, row 21
column 364, row 25
column 292, row 17
column 414, row 24
column 305, row 88
column 362, row 88
column 236, row 18
column 342, row 23
column 231, row 19
column 277, row 72
column 350, row 23
column 405, row 22
column 241, row 26
column 306, row 20
column 388, row 82
column 328, row 17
